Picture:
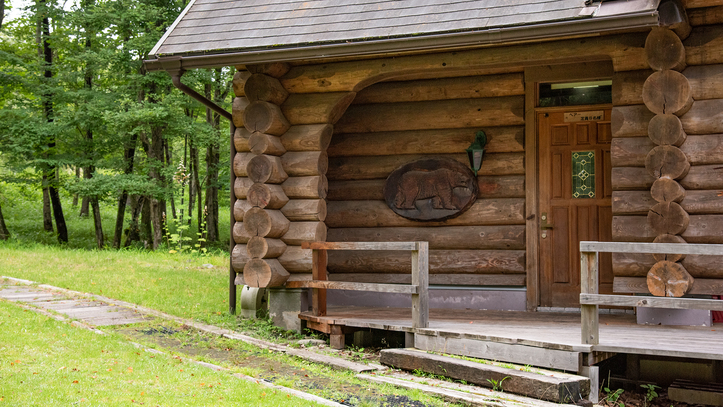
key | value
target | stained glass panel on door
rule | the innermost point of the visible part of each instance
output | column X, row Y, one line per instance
column 583, row 174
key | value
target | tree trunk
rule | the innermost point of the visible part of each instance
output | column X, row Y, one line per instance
column 85, row 205
column 75, row 196
column 4, row 233
column 134, row 232
column 212, row 162
column 129, row 156
column 146, row 233
column 47, row 212
column 193, row 186
column 48, row 110
column 169, row 162
column 155, row 156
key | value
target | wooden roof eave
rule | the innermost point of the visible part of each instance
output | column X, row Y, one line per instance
column 499, row 36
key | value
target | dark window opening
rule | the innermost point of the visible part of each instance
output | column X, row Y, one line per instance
column 576, row 93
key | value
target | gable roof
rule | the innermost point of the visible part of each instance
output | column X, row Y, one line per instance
column 266, row 30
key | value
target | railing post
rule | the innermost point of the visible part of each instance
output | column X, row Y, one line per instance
column 318, row 272
column 590, row 323
column 420, row 278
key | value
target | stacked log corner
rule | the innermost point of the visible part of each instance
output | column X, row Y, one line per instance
column 281, row 183
column 257, row 166
column 667, row 94
column 668, row 160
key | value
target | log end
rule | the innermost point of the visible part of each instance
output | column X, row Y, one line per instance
column 668, row 279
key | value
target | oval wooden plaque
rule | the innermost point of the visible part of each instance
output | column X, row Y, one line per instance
column 431, row 189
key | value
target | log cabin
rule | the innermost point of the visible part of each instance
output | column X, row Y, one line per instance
column 352, row 122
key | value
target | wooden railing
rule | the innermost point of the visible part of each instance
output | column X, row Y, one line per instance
column 590, row 298
column 419, row 289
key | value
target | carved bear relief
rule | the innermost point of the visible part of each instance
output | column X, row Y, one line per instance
column 431, row 189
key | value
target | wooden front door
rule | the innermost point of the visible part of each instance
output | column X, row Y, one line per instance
column 575, row 199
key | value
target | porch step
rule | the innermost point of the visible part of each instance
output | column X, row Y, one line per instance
column 460, row 393
column 541, row 384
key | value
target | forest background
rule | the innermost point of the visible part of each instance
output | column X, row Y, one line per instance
column 87, row 133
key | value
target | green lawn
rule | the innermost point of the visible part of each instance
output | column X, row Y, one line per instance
column 48, row 363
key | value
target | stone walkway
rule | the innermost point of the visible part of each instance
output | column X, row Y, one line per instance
column 90, row 311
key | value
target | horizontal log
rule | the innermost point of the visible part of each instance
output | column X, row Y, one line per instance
column 626, row 52
column 239, row 257
column 267, row 196
column 503, row 186
column 238, row 108
column 667, row 92
column 700, row 150
column 239, row 209
column 300, row 232
column 273, row 69
column 309, row 137
column 265, row 223
column 639, row 285
column 265, row 117
column 637, row 178
column 238, row 82
column 305, row 163
column 241, row 187
column 701, row 229
column 446, row 114
column 435, row 279
column 241, row 140
column 316, row 108
column 296, row 260
column 706, row 81
column 261, row 143
column 630, row 121
column 708, row 15
column 703, row 177
column 704, row 46
column 306, row 187
column 704, row 117
column 510, row 237
column 628, row 87
column 442, row 89
column 691, row 4
column 418, row 76
column 664, row 50
column 240, row 235
column 361, row 168
column 260, row 87
column 266, row 169
column 264, row 273
column 640, row 202
column 240, row 162
column 370, row 287
column 444, row 141
column 638, row 264
column 305, row 210
column 263, row 248
column 363, row 246
column 631, row 178
column 668, row 162
column 361, row 214
column 666, row 130
column 440, row 262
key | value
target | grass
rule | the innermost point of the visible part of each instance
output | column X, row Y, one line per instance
column 23, row 212
column 46, row 362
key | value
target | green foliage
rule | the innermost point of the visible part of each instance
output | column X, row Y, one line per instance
column 104, row 103
column 650, row 392
column 497, row 384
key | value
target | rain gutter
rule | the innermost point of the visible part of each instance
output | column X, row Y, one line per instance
column 173, row 65
column 592, row 26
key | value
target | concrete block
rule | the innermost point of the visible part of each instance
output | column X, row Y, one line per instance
column 285, row 304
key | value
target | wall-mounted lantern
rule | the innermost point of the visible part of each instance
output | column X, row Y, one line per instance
column 476, row 150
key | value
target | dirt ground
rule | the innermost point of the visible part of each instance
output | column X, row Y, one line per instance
column 186, row 340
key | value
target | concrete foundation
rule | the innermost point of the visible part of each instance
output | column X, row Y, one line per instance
column 285, row 304
column 450, row 298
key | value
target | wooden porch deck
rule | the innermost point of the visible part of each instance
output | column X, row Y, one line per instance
column 537, row 338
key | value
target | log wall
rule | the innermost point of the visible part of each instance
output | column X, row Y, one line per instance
column 668, row 165
column 396, row 122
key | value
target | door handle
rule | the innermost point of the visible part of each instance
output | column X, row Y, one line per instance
column 543, row 222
